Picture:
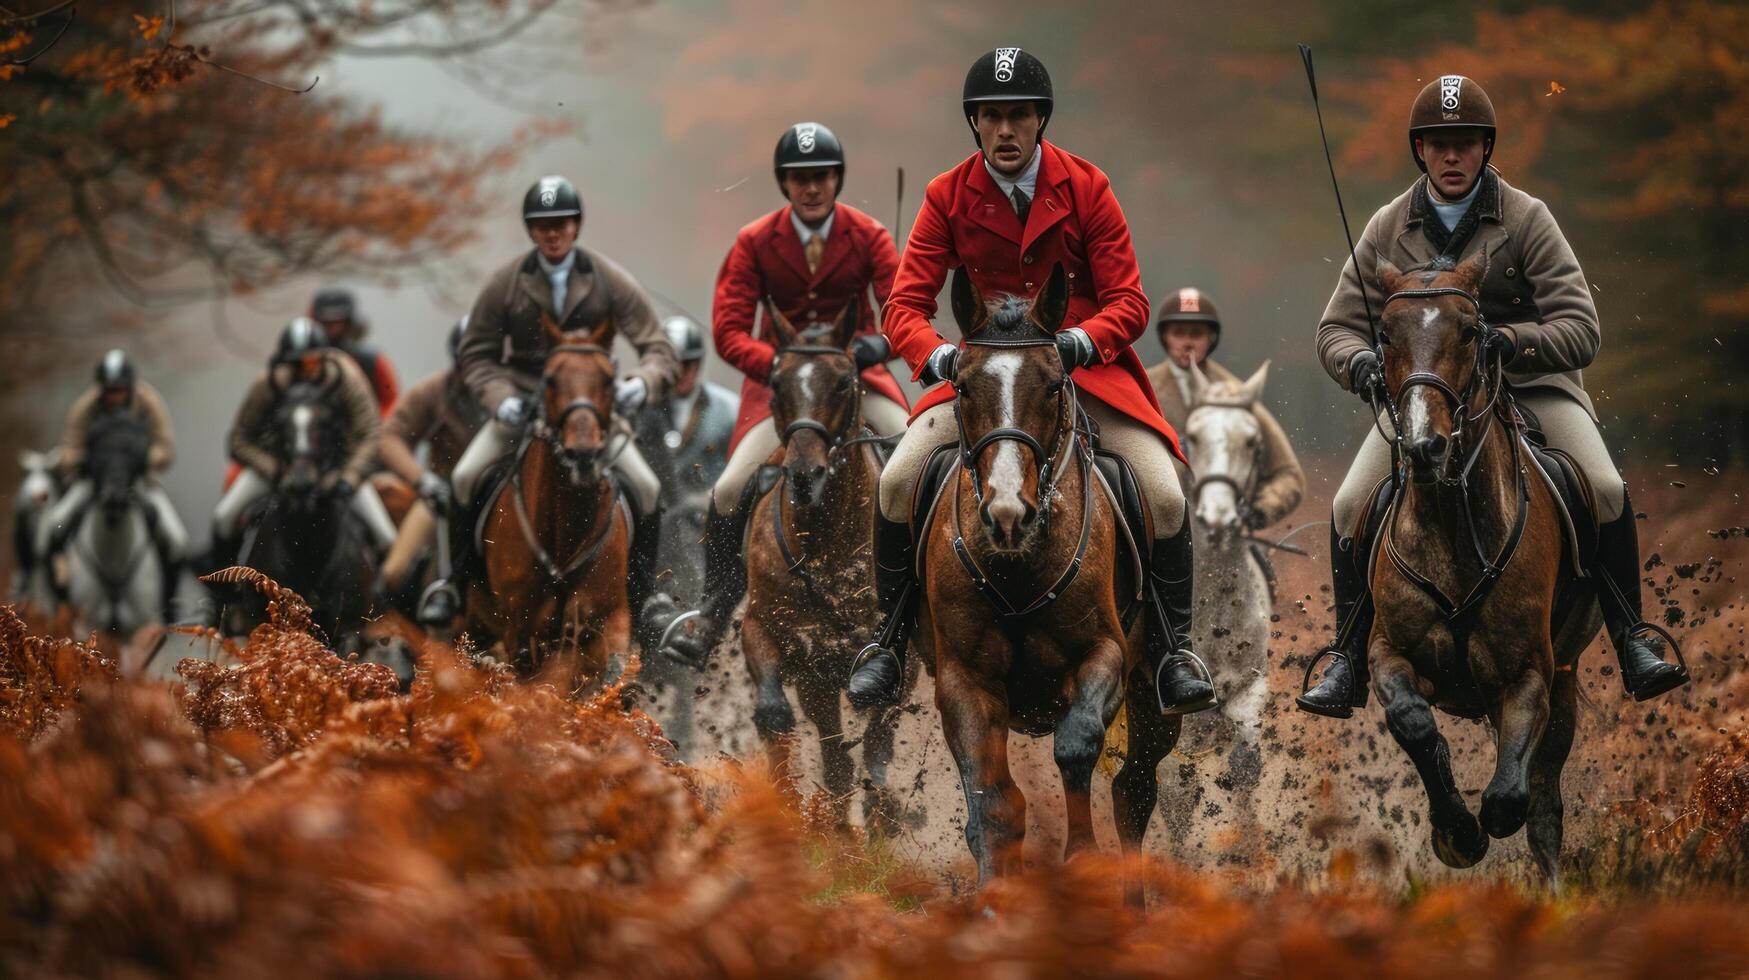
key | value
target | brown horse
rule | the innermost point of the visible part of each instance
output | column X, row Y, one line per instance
column 810, row 593
column 1478, row 610
column 557, row 537
column 1026, row 590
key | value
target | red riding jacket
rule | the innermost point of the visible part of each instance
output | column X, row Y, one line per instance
column 767, row 260
column 1074, row 219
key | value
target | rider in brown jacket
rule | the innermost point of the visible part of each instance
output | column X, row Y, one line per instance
column 1190, row 330
column 504, row 350
column 1535, row 298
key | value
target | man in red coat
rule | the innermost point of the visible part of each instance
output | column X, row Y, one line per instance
column 1008, row 215
column 810, row 259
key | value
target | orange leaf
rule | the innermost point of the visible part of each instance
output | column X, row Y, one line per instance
column 6, row 119
column 1555, row 88
column 149, row 28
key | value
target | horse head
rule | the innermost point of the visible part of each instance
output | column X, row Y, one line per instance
column 1432, row 331
column 1224, row 443
column 307, row 440
column 1013, row 407
column 816, row 400
column 117, row 447
column 577, row 396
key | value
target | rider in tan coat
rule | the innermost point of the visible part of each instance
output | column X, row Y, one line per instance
column 1190, row 330
column 504, row 350
column 1535, row 298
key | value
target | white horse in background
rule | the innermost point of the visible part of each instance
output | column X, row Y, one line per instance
column 1224, row 443
column 37, row 493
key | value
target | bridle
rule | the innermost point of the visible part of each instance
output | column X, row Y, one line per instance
column 1241, row 491
column 1072, row 443
column 1486, row 374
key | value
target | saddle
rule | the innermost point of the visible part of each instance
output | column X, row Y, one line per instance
column 1575, row 499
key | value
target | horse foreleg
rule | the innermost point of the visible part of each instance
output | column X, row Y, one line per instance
column 1136, row 787
column 819, row 702
column 1521, row 718
column 1080, row 737
column 773, row 717
column 1545, row 820
column 974, row 720
column 880, row 809
column 1457, row 837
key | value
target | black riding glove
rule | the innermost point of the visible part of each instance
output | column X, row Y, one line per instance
column 1364, row 376
column 941, row 365
column 1495, row 341
column 870, row 350
column 343, row 488
column 1076, row 349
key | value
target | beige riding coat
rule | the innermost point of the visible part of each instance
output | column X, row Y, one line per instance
column 1281, row 483
column 438, row 412
column 146, row 405
column 505, row 346
column 254, row 438
column 1533, row 290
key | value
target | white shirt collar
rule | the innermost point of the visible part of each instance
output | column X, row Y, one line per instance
column 1028, row 180
column 1450, row 214
column 561, row 268
column 1182, row 376
column 804, row 233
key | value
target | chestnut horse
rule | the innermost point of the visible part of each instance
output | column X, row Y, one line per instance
column 1026, row 590
column 810, row 590
column 557, row 537
column 1479, row 612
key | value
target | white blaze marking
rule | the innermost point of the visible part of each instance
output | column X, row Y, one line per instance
column 1005, row 470
column 301, row 417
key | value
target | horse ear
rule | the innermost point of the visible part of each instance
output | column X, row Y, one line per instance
column 601, row 335
column 1051, row 305
column 849, row 322
column 1254, row 384
column 1471, row 271
column 1390, row 278
column 780, row 325
column 551, row 327
column 1199, row 383
column 969, row 310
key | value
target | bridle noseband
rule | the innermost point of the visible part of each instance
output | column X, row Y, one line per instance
column 1050, row 462
column 1482, row 373
column 551, row 431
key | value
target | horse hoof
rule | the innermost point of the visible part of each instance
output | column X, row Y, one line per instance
column 1503, row 812
column 1461, row 846
column 774, row 719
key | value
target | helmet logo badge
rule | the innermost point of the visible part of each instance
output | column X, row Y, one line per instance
column 1005, row 58
column 549, row 192
column 1189, row 300
column 805, row 136
column 1450, row 92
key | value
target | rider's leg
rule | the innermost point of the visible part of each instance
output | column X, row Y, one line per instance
column 885, row 416
column 725, row 571
column 1616, row 566
column 1180, row 685
column 368, row 505
column 877, row 675
column 411, row 541
column 226, row 547
column 652, row 608
column 442, row 599
column 171, row 539
column 1344, row 685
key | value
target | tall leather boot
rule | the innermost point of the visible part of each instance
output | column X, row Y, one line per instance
column 652, row 608
column 877, row 676
column 1344, row 686
column 441, row 602
column 725, row 582
column 1639, row 646
column 1181, row 684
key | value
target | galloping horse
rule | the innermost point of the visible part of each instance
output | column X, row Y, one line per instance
column 810, row 593
column 1224, row 443
column 557, row 535
column 37, row 492
column 114, row 580
column 1479, row 612
column 1026, row 590
column 305, row 536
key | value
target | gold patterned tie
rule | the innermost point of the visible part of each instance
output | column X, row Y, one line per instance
column 813, row 250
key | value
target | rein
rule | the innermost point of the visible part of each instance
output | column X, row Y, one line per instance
column 1071, row 444
column 1487, row 376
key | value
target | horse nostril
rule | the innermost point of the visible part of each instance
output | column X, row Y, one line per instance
column 984, row 515
column 1429, row 449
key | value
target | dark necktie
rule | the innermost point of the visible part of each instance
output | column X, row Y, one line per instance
column 1022, row 204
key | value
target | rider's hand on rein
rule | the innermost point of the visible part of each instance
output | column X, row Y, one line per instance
column 870, row 350
column 512, row 412
column 941, row 365
column 1364, row 376
column 1076, row 349
column 629, row 395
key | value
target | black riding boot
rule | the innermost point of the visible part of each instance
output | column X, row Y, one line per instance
column 652, row 609
column 878, row 674
column 1181, row 683
column 1344, row 686
column 1638, row 645
column 172, row 565
column 441, row 602
column 725, row 582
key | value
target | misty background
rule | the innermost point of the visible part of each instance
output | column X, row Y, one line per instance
column 673, row 108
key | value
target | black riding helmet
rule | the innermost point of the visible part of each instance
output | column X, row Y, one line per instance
column 552, row 197
column 301, row 336
column 334, row 304
column 115, row 370
column 804, row 146
column 1007, row 75
column 1190, row 305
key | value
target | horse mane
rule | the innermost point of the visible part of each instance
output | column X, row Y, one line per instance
column 1011, row 322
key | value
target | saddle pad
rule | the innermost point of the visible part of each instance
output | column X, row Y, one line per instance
column 1137, row 534
column 1574, row 502
column 941, row 464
